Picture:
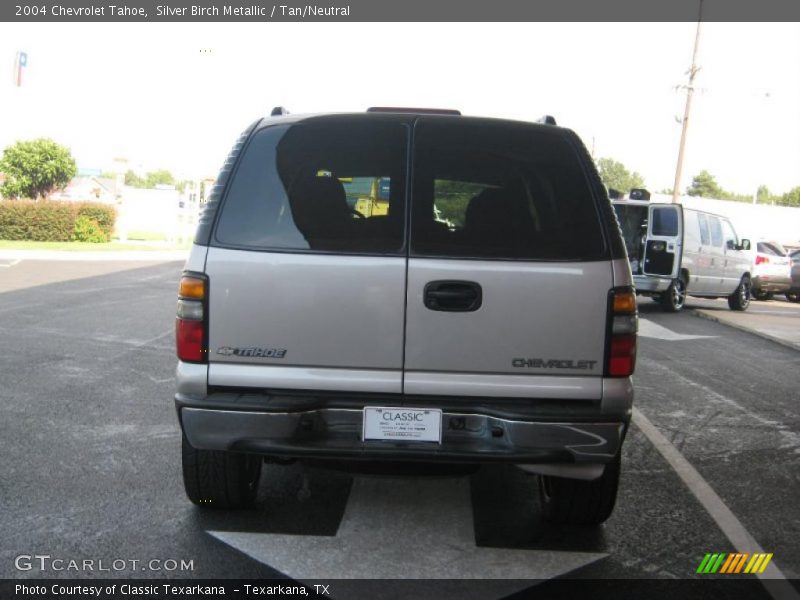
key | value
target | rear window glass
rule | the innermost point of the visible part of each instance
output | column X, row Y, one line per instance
column 319, row 186
column 500, row 191
column 771, row 248
column 665, row 221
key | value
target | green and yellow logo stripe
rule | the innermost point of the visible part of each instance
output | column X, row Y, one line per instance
column 732, row 563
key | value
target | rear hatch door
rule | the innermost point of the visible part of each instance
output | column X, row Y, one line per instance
column 508, row 283
column 307, row 262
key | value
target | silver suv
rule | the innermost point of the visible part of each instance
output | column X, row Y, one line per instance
column 407, row 285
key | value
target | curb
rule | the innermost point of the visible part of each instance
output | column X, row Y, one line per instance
column 703, row 315
column 121, row 255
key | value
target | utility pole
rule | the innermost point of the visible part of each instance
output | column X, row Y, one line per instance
column 689, row 91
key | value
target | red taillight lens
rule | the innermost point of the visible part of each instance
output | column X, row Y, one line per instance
column 761, row 260
column 622, row 356
column 623, row 325
column 189, row 340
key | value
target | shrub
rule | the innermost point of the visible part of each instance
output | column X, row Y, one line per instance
column 104, row 215
column 52, row 221
column 37, row 221
column 88, row 230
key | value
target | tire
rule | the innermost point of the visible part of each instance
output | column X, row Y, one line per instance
column 762, row 295
column 674, row 298
column 577, row 502
column 218, row 479
column 793, row 296
column 740, row 298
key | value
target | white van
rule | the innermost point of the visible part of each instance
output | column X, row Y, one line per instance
column 676, row 251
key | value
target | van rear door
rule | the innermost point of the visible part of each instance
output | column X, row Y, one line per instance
column 664, row 246
column 507, row 283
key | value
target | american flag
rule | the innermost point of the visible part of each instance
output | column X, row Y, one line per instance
column 20, row 62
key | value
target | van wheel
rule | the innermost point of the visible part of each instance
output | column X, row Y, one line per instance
column 740, row 298
column 577, row 502
column 675, row 297
column 218, row 479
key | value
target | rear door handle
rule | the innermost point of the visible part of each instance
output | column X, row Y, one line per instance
column 453, row 296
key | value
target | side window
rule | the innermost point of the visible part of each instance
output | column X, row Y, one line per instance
column 729, row 235
column 368, row 196
column 705, row 235
column 500, row 191
column 665, row 221
column 319, row 186
column 716, row 231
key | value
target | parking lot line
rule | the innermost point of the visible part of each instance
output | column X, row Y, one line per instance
column 773, row 579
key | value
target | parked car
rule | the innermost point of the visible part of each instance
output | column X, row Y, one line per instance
column 793, row 294
column 772, row 271
column 676, row 251
column 484, row 314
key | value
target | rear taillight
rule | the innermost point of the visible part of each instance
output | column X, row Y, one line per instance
column 762, row 260
column 623, row 325
column 190, row 322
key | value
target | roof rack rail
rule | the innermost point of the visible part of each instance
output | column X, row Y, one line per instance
column 278, row 111
column 547, row 120
column 425, row 111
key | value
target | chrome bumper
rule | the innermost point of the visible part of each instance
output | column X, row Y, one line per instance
column 336, row 433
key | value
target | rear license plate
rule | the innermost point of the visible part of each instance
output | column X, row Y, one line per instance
column 402, row 424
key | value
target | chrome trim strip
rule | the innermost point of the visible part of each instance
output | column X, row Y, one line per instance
column 305, row 378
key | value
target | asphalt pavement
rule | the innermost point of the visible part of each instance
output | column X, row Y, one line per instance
column 90, row 456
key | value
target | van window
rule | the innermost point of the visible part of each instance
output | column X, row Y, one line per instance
column 705, row 235
column 633, row 223
column 319, row 187
column 728, row 234
column 500, row 191
column 665, row 221
column 716, row 231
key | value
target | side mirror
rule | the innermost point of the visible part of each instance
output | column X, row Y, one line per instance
column 745, row 245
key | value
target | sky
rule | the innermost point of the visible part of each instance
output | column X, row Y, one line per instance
column 176, row 95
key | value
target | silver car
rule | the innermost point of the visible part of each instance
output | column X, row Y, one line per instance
column 407, row 285
column 772, row 270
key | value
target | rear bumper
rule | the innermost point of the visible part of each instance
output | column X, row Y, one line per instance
column 647, row 284
column 771, row 283
column 467, row 436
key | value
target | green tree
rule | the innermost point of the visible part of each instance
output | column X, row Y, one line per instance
column 36, row 168
column 150, row 180
column 133, row 180
column 160, row 177
column 790, row 198
column 615, row 176
column 705, row 185
column 763, row 196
